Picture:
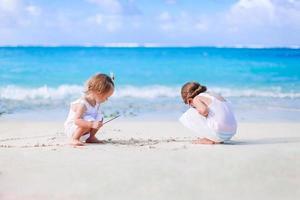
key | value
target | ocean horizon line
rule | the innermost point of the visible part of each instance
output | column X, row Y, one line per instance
column 121, row 45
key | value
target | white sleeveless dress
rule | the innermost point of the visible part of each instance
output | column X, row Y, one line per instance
column 93, row 113
column 220, row 125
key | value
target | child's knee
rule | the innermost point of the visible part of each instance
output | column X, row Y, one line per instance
column 81, row 129
column 95, row 129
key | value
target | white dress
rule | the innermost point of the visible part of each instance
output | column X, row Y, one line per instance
column 92, row 113
column 220, row 125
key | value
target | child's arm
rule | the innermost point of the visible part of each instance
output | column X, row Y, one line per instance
column 200, row 106
column 79, row 110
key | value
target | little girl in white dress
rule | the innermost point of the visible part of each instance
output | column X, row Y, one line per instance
column 92, row 113
column 85, row 118
column 210, row 115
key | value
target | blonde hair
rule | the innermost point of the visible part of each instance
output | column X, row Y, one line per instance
column 190, row 90
column 100, row 83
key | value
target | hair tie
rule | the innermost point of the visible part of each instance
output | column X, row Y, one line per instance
column 112, row 76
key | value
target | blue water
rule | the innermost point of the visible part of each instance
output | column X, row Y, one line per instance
column 261, row 83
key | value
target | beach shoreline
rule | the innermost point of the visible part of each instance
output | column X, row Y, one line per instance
column 148, row 160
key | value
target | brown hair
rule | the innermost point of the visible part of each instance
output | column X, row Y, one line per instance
column 190, row 90
column 99, row 83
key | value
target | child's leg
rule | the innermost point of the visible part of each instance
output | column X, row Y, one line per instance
column 77, row 134
column 93, row 138
column 205, row 141
column 198, row 124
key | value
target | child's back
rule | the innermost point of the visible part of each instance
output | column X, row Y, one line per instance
column 220, row 117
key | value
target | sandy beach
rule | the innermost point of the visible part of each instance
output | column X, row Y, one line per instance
column 148, row 160
column 159, row 67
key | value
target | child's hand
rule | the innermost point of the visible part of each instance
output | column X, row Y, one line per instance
column 96, row 124
column 204, row 113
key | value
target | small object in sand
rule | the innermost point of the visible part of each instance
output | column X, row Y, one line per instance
column 5, row 146
column 171, row 140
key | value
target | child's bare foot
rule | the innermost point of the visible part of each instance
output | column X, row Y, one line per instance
column 204, row 141
column 93, row 139
column 76, row 142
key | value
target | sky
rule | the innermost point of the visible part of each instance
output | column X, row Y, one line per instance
column 257, row 23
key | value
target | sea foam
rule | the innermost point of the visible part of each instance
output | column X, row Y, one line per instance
column 12, row 92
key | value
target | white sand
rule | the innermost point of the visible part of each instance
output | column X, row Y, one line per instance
column 149, row 160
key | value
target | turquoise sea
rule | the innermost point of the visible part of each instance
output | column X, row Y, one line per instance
column 262, row 84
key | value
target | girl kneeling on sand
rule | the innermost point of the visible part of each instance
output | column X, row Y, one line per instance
column 210, row 114
column 85, row 117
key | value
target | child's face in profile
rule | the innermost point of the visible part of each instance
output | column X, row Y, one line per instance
column 100, row 98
